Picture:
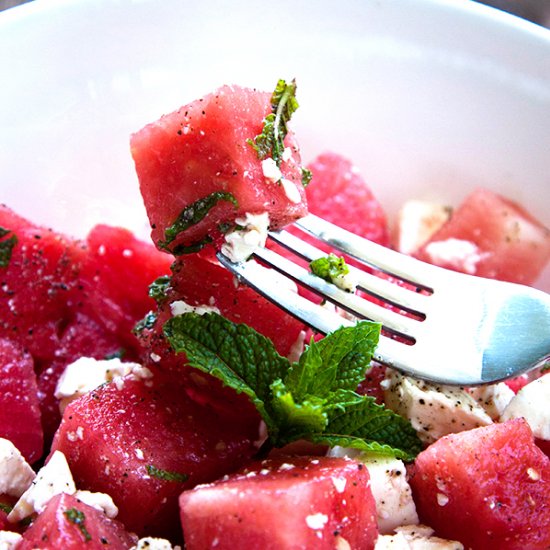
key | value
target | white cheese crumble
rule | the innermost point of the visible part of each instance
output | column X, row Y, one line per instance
column 417, row 222
column 346, row 282
column 457, row 253
column 531, row 402
column 9, row 540
column 389, row 486
column 86, row 374
column 100, row 501
column 240, row 244
column 291, row 191
column 179, row 307
column 494, row 398
column 271, row 171
column 15, row 474
column 154, row 543
column 415, row 537
column 53, row 478
column 433, row 410
column 316, row 521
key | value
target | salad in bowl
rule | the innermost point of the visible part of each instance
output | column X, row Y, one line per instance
column 151, row 400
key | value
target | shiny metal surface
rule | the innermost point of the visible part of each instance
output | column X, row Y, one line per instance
column 447, row 327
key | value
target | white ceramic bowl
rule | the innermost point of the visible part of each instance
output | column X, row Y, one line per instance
column 429, row 98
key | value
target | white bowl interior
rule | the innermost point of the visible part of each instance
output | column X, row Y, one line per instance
column 429, row 98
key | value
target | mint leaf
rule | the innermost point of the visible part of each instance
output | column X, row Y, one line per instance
column 311, row 399
column 306, row 176
column 236, row 354
column 191, row 215
column 270, row 143
column 146, row 323
column 6, row 246
column 74, row 515
column 329, row 267
column 159, row 287
column 338, row 361
column 295, row 420
column 166, row 475
column 359, row 416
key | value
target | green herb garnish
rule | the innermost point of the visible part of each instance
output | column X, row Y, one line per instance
column 193, row 214
column 5, row 507
column 270, row 143
column 78, row 518
column 147, row 322
column 312, row 399
column 159, row 287
column 6, row 246
column 165, row 475
column 329, row 267
column 306, row 176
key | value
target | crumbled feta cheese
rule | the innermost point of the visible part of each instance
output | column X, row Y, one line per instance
column 100, row 501
column 316, row 521
column 457, row 253
column 494, row 398
column 417, row 222
column 15, row 474
column 389, row 486
column 53, row 478
column 291, row 191
column 240, row 244
column 10, row 540
column 271, row 171
column 433, row 410
column 86, row 374
column 153, row 543
column 531, row 403
column 415, row 537
column 179, row 307
column 346, row 282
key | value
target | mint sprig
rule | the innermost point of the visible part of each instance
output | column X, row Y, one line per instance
column 311, row 399
column 270, row 143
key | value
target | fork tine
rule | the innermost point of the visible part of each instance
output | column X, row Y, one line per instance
column 391, row 321
column 374, row 255
column 388, row 351
column 399, row 296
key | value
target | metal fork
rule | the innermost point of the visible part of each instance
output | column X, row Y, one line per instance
column 445, row 327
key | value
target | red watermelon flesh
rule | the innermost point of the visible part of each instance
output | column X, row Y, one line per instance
column 116, row 276
column 339, row 194
column 202, row 149
column 201, row 282
column 69, row 524
column 510, row 244
column 143, row 443
column 488, row 488
column 287, row 503
column 84, row 337
column 19, row 407
column 38, row 285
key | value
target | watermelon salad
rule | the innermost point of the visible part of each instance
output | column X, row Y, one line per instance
column 150, row 400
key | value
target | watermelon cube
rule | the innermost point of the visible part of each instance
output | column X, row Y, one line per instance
column 283, row 504
column 143, row 441
column 116, row 275
column 488, row 488
column 490, row 236
column 19, row 405
column 70, row 524
column 38, row 284
column 197, row 162
column 339, row 194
